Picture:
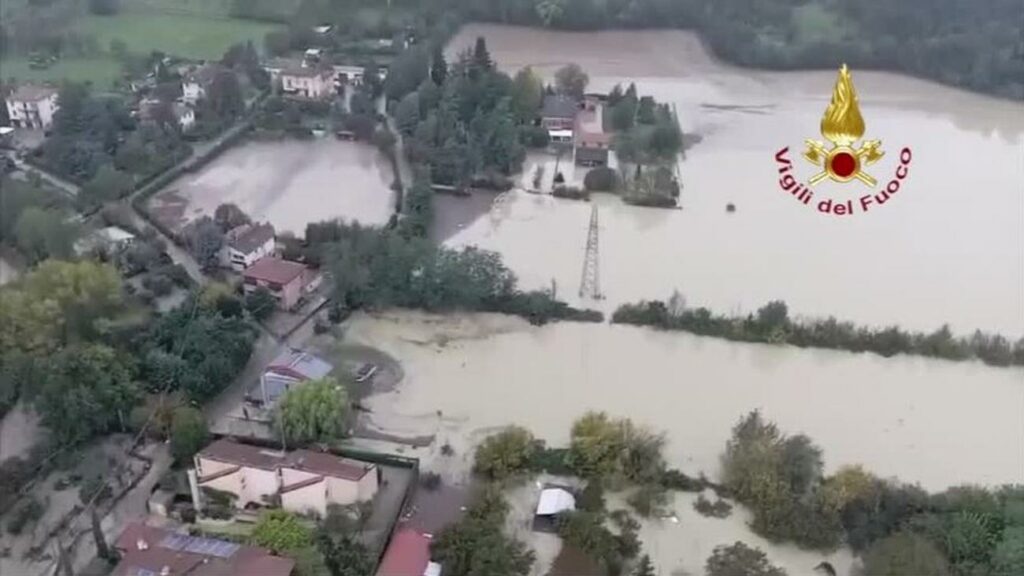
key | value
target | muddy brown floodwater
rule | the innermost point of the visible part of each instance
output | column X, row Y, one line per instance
column 290, row 183
column 948, row 247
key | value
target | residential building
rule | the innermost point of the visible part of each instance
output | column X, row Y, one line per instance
column 408, row 554
column 348, row 74
column 151, row 551
column 592, row 142
column 196, row 81
column 288, row 281
column 291, row 367
column 558, row 112
column 553, row 501
column 275, row 66
column 31, row 106
column 183, row 113
column 245, row 244
column 308, row 82
column 301, row 481
column 108, row 240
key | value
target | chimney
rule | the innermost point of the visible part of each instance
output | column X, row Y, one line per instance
column 193, row 485
column 142, row 544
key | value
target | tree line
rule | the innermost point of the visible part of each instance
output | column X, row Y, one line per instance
column 772, row 324
column 897, row 528
column 966, row 43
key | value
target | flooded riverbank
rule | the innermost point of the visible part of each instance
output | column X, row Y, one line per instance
column 940, row 251
column 289, row 183
column 933, row 422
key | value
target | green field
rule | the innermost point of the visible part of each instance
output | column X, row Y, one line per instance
column 179, row 35
column 101, row 71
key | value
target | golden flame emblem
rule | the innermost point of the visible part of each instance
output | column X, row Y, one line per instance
column 843, row 125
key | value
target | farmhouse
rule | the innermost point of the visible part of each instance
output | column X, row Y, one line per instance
column 408, row 554
column 302, row 481
column 196, row 81
column 558, row 113
column 31, row 106
column 147, row 550
column 183, row 114
column 592, row 142
column 245, row 244
column 290, row 368
column 287, row 281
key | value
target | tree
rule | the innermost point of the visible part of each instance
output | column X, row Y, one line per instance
column 86, row 390
column 741, row 560
column 189, row 433
column 481, row 59
column 1008, row 556
column 904, row 553
column 549, row 11
column 407, row 114
column 205, row 241
column 280, row 531
column 527, row 94
column 225, row 95
column 438, row 66
column 571, row 81
column 316, row 411
column 505, row 453
column 645, row 567
column 108, row 185
column 344, row 555
column 57, row 303
column 228, row 216
column 42, row 234
column 260, row 303
column 477, row 544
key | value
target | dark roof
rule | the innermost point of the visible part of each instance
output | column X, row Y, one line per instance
column 321, row 463
column 591, row 154
column 270, row 269
column 204, row 75
column 408, row 554
column 149, row 550
column 248, row 237
column 558, row 106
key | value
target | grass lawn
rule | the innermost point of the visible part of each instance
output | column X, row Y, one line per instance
column 185, row 36
column 101, row 71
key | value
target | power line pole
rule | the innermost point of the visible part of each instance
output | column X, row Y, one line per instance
column 590, row 281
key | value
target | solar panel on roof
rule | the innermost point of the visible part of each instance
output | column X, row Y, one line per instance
column 226, row 549
column 175, row 541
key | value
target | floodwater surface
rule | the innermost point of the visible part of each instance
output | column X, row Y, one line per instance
column 289, row 183
column 947, row 247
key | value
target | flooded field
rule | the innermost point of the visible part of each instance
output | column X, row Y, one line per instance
column 290, row 183
column 949, row 247
column 932, row 422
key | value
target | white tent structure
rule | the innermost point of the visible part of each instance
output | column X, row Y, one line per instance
column 554, row 501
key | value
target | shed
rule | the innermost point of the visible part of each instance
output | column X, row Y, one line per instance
column 554, row 501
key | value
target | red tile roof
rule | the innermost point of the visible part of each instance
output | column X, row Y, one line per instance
column 408, row 554
column 141, row 550
column 270, row 269
column 322, row 463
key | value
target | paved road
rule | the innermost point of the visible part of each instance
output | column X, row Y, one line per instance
column 70, row 188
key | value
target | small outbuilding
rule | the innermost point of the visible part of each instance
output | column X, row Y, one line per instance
column 554, row 500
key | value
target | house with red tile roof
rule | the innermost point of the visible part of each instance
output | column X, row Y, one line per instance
column 408, row 554
column 287, row 281
column 151, row 551
column 303, row 481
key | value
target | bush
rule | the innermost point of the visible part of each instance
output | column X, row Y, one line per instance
column 430, row 480
column 551, row 460
column 535, row 136
column 602, row 179
column 260, row 303
column 719, row 509
column 159, row 284
column 649, row 500
column 93, row 486
column 29, row 512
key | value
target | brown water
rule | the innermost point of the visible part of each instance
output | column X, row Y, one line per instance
column 933, row 422
column 290, row 183
column 949, row 247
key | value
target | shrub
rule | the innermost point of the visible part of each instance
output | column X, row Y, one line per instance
column 649, row 500
column 430, row 480
column 159, row 284
column 571, row 192
column 719, row 509
column 94, row 487
column 29, row 512
column 601, row 179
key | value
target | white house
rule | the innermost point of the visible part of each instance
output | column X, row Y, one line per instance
column 300, row 481
column 307, row 83
column 185, row 115
column 196, row 81
column 31, row 106
column 246, row 244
